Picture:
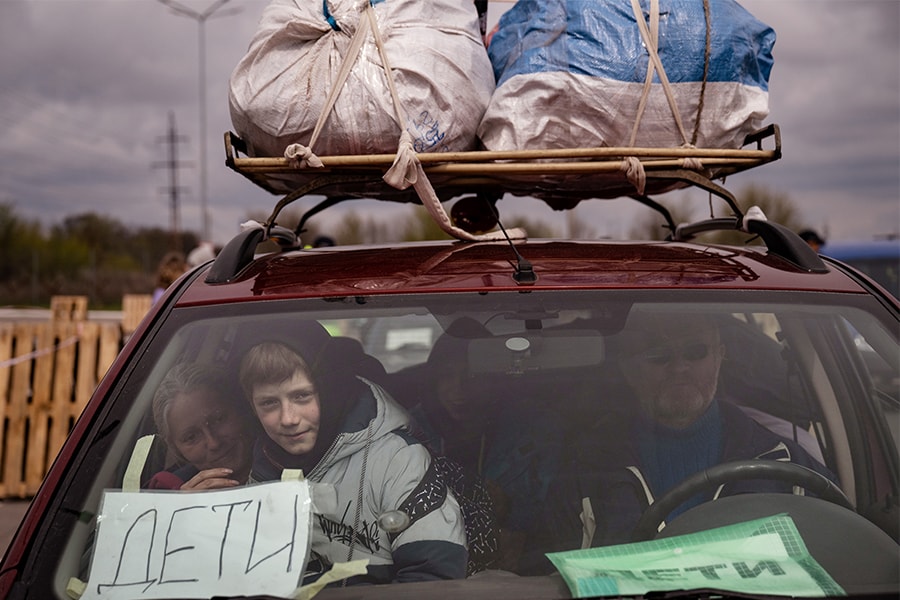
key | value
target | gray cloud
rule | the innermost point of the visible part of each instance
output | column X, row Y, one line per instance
column 835, row 90
column 86, row 87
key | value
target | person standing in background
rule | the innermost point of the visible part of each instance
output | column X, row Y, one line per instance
column 171, row 267
column 812, row 238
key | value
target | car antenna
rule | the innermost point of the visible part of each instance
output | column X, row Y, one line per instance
column 524, row 270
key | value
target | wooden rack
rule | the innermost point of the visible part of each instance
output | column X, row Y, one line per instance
column 561, row 177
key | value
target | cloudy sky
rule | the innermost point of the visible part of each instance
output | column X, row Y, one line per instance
column 87, row 87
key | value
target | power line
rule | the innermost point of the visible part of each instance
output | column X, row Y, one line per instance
column 201, row 17
column 173, row 189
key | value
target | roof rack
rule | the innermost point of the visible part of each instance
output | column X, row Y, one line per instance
column 560, row 177
column 779, row 240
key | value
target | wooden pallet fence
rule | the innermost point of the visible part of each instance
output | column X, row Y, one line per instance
column 68, row 308
column 48, row 371
column 134, row 308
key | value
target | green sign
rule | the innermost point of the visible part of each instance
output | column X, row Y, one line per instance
column 765, row 556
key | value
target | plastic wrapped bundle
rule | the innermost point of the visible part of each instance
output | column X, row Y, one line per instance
column 440, row 70
column 574, row 73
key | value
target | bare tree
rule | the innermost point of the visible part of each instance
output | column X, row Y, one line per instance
column 652, row 226
column 776, row 206
column 577, row 229
column 357, row 228
column 419, row 226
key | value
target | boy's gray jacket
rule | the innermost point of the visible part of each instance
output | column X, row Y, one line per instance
column 376, row 460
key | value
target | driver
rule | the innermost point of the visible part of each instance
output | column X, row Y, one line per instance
column 674, row 426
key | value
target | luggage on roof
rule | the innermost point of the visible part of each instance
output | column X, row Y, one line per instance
column 290, row 81
column 585, row 73
column 382, row 100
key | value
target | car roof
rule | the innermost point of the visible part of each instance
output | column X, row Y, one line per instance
column 419, row 267
column 784, row 262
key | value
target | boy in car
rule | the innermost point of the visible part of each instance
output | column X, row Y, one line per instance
column 389, row 505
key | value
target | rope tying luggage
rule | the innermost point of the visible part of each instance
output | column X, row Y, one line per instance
column 631, row 166
column 406, row 170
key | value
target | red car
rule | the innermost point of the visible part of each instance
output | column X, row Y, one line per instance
column 501, row 419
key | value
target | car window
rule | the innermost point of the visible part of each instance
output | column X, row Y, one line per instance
column 541, row 400
column 882, row 369
column 878, row 260
column 400, row 341
column 885, row 271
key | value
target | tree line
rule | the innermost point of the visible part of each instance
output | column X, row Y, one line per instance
column 86, row 254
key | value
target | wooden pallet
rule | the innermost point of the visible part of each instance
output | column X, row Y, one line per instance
column 48, row 371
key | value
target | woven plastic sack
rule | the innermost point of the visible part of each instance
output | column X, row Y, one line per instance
column 440, row 68
column 571, row 73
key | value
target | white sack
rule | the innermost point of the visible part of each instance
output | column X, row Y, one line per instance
column 440, row 68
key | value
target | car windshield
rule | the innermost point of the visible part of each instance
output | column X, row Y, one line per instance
column 543, row 423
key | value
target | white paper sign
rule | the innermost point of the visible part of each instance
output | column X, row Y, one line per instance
column 251, row 540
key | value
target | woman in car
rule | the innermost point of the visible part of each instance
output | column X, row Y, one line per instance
column 207, row 428
column 390, row 505
column 514, row 460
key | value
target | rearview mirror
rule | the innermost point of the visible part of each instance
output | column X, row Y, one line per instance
column 537, row 351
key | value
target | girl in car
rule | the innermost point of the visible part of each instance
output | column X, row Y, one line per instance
column 205, row 426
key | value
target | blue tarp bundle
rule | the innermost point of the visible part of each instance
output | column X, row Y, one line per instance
column 572, row 73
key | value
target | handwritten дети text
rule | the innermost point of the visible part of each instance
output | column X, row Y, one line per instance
column 245, row 541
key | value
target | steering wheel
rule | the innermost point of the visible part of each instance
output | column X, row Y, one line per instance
column 730, row 472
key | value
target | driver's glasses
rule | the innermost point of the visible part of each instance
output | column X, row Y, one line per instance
column 663, row 355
